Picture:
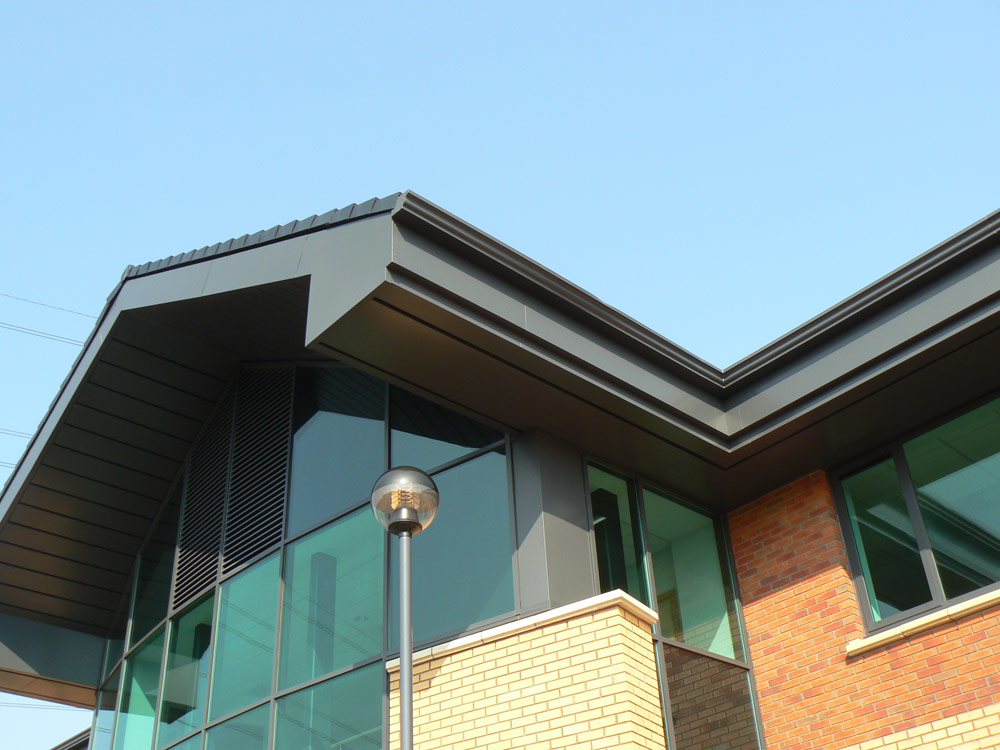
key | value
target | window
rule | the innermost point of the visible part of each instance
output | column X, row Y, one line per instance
column 673, row 557
column 924, row 520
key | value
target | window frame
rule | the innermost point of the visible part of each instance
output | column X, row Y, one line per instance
column 727, row 562
column 894, row 450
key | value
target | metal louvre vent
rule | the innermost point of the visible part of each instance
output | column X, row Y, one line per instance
column 205, row 489
column 255, row 513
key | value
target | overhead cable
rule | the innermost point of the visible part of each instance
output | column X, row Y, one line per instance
column 40, row 334
column 45, row 304
column 15, row 433
column 9, row 465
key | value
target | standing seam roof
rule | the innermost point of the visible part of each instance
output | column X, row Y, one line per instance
column 313, row 223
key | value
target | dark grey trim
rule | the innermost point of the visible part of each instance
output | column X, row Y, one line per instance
column 314, row 223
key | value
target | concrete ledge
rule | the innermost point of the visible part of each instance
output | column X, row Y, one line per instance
column 912, row 627
column 616, row 598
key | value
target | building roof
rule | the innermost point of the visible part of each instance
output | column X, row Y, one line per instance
column 405, row 290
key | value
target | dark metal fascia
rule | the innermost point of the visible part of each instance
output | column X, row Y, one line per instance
column 905, row 280
column 414, row 210
column 277, row 233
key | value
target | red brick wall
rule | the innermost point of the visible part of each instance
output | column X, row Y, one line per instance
column 801, row 611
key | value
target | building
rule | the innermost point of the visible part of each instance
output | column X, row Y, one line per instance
column 634, row 547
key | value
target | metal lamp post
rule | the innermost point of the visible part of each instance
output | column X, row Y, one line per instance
column 405, row 501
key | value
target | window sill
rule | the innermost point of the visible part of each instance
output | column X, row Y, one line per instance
column 904, row 630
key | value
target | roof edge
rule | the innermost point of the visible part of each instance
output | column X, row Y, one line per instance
column 416, row 210
column 912, row 275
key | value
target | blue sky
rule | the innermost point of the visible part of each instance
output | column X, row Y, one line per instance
column 721, row 172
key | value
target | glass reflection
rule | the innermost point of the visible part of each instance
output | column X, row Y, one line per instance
column 244, row 650
column 155, row 568
column 339, row 445
column 887, row 547
column 426, row 435
column 463, row 570
column 332, row 609
column 182, row 705
column 105, row 722
column 244, row 732
column 138, row 707
column 617, row 534
column 956, row 474
column 343, row 713
column 692, row 591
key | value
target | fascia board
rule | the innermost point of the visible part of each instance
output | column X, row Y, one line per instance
column 430, row 271
column 869, row 350
column 417, row 211
column 815, row 363
column 344, row 269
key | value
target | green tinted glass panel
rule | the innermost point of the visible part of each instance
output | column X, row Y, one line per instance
column 244, row 732
column 956, row 473
column 154, row 573
column 115, row 643
column 887, row 548
column 138, row 705
column 332, row 608
column 105, row 720
column 617, row 533
column 693, row 594
column 152, row 590
column 426, row 435
column 343, row 713
column 339, row 446
column 191, row 743
column 462, row 564
column 244, row 638
column 182, row 705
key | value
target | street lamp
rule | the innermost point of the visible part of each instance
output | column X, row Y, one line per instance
column 405, row 501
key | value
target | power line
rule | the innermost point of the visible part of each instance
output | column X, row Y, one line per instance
column 15, row 433
column 9, row 465
column 45, row 304
column 45, row 707
column 41, row 334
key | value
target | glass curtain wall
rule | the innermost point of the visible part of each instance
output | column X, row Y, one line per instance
column 288, row 650
column 673, row 558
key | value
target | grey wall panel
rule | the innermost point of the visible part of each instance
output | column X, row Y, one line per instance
column 555, row 552
column 36, row 648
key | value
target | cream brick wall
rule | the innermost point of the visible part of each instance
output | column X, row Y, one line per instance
column 972, row 730
column 582, row 676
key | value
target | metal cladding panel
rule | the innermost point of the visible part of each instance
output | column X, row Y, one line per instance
column 205, row 490
column 255, row 512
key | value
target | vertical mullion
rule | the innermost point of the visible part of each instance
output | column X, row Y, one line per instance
column 668, row 715
column 919, row 529
column 647, row 555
